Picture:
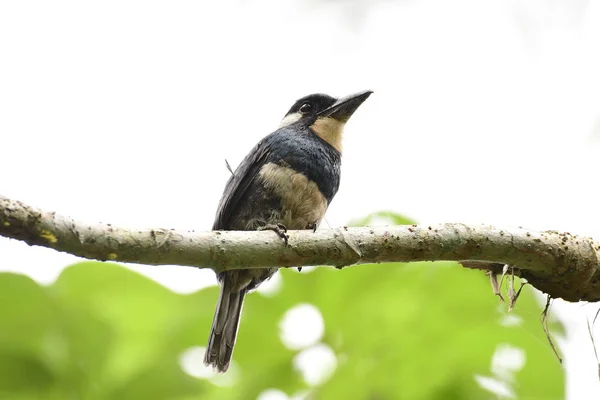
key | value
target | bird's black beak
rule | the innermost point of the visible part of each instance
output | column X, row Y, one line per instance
column 344, row 107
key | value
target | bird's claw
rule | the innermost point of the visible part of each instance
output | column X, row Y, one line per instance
column 313, row 226
column 279, row 229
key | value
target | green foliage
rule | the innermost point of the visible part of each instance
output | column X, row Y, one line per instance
column 400, row 331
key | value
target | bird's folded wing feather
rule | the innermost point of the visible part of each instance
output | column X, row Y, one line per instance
column 238, row 184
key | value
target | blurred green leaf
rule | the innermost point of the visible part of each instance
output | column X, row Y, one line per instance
column 417, row 330
column 382, row 217
column 148, row 328
column 22, row 374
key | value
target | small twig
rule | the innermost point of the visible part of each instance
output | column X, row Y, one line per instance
column 504, row 271
column 495, row 286
column 513, row 300
column 593, row 344
column 545, row 317
column 511, row 290
column 596, row 316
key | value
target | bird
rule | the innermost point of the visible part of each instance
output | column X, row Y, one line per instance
column 287, row 181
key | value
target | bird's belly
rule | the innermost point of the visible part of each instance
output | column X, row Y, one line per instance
column 301, row 203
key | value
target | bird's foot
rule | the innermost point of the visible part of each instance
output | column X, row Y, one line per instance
column 312, row 226
column 279, row 229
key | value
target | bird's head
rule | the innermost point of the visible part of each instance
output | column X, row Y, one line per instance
column 325, row 115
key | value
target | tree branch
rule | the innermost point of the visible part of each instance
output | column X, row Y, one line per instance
column 560, row 264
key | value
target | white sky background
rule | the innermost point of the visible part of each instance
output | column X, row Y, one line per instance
column 483, row 112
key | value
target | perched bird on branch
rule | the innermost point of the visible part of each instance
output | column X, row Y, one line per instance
column 286, row 182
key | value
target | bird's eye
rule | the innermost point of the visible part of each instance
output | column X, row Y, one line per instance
column 306, row 108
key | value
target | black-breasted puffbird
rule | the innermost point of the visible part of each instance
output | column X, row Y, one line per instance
column 286, row 182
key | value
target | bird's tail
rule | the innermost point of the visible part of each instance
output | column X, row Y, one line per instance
column 224, row 327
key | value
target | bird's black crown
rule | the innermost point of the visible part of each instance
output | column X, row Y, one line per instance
column 312, row 104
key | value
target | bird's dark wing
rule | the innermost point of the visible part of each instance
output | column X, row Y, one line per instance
column 239, row 182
